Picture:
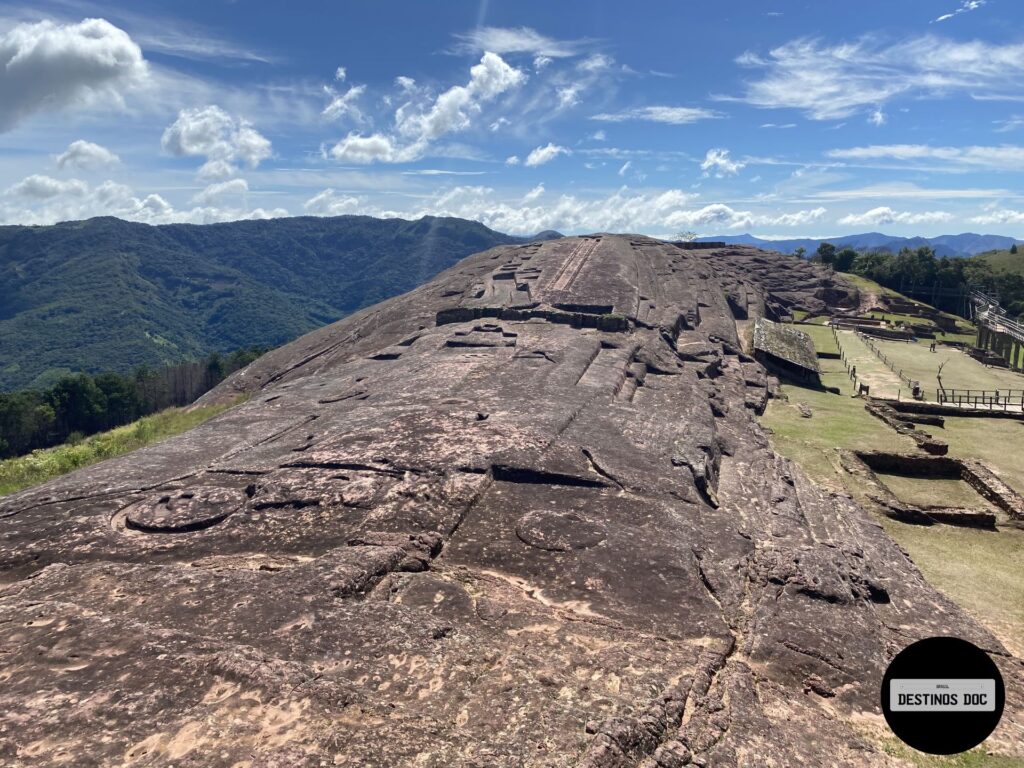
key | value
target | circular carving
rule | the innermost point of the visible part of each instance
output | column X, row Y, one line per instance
column 183, row 511
column 557, row 531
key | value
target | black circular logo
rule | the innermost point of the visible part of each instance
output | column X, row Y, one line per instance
column 942, row 695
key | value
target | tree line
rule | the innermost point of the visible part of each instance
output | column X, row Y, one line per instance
column 82, row 404
column 918, row 272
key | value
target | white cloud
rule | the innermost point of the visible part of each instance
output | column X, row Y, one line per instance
column 40, row 187
column 625, row 167
column 1004, row 157
column 1000, row 216
column 569, row 96
column 418, row 126
column 42, row 200
column 884, row 216
column 906, row 191
column 621, row 211
column 213, row 170
column 598, row 136
column 597, row 62
column 212, row 133
column 454, row 108
column 829, row 82
column 533, row 194
column 512, row 160
column 376, row 148
column 717, row 161
column 1010, row 124
column 546, row 154
column 85, row 155
column 878, row 118
column 503, row 40
column 340, row 74
column 540, row 62
column 965, row 6
column 329, row 203
column 215, row 193
column 46, row 66
column 344, row 104
column 672, row 115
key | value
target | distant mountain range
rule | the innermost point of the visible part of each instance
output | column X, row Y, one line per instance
column 967, row 244
column 107, row 294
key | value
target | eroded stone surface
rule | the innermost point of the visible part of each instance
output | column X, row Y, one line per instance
column 521, row 516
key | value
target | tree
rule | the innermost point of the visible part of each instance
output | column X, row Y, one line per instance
column 800, row 252
column 1013, row 249
column 80, row 406
column 844, row 259
column 826, row 253
column 686, row 237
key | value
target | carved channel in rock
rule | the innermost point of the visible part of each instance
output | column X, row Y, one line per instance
column 183, row 511
column 559, row 531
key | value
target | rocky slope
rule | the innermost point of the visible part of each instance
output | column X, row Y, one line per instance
column 520, row 516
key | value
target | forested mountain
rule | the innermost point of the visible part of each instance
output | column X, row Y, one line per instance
column 967, row 244
column 107, row 294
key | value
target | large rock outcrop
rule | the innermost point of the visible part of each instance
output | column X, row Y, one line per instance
column 521, row 516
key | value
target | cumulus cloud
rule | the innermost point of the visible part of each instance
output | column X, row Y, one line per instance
column 884, row 216
column 623, row 211
column 830, row 82
column 42, row 200
column 224, row 140
column 504, row 40
column 718, row 162
column 41, row 187
column 1004, row 157
column 1000, row 216
column 546, row 154
column 85, row 155
column 512, row 160
column 330, row 203
column 417, row 126
column 655, row 114
column 46, row 66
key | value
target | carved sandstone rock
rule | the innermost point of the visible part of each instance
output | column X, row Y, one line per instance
column 520, row 516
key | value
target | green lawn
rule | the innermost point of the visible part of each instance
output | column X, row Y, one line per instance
column 997, row 442
column 42, row 465
column 959, row 371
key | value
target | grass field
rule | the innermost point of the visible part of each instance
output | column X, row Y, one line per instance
column 960, row 371
column 1005, row 261
column 42, row 465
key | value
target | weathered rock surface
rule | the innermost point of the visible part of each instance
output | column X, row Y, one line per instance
column 521, row 516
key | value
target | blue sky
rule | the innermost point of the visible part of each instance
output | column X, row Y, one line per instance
column 777, row 117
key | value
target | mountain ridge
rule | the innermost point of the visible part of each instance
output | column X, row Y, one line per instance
column 962, row 245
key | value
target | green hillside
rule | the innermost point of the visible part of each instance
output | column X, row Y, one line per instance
column 106, row 294
column 1004, row 261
